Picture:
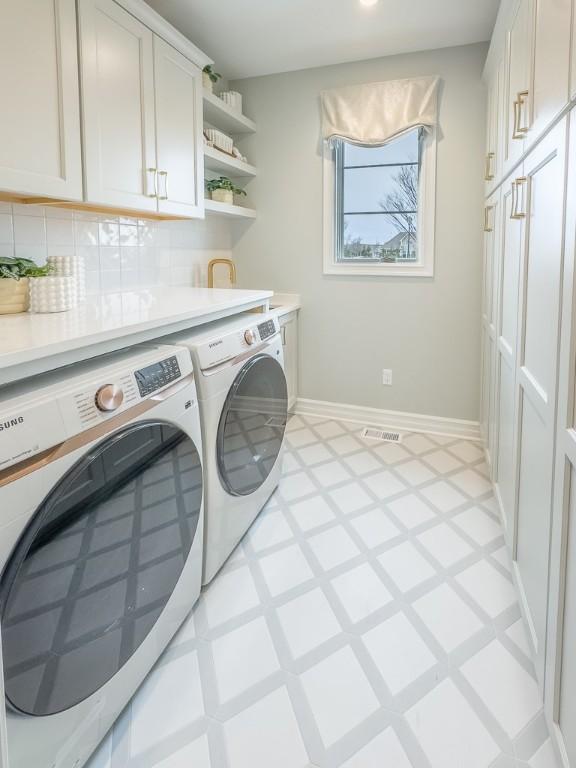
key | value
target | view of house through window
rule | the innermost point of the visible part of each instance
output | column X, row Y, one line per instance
column 377, row 192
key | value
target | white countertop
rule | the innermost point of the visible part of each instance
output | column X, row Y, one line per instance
column 33, row 343
column 284, row 303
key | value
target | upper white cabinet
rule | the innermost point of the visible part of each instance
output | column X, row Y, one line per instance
column 517, row 89
column 142, row 112
column 551, row 63
column 179, row 155
column 492, row 159
column 530, row 64
column 117, row 65
column 40, row 128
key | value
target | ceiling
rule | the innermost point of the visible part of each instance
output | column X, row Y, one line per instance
column 259, row 37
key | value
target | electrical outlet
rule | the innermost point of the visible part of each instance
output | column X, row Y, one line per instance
column 387, row 377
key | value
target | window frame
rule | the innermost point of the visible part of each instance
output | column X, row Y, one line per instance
column 424, row 266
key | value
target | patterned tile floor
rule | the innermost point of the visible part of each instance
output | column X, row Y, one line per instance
column 367, row 620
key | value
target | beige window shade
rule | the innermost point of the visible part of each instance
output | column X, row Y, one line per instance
column 374, row 113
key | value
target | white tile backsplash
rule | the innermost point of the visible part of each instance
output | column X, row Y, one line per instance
column 120, row 252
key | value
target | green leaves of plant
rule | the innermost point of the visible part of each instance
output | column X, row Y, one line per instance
column 14, row 269
column 223, row 182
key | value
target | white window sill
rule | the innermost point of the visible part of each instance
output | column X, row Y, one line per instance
column 389, row 270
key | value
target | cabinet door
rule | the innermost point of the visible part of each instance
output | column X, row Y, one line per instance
column 493, row 105
column 560, row 692
column 541, row 285
column 489, row 327
column 117, row 66
column 40, row 127
column 179, row 144
column 573, row 53
column 551, row 62
column 289, row 329
column 517, row 106
column 506, row 356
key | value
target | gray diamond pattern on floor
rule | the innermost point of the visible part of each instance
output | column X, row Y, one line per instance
column 367, row 619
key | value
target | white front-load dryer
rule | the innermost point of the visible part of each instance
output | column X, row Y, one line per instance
column 101, row 540
column 243, row 399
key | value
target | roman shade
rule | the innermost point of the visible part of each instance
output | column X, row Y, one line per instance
column 374, row 113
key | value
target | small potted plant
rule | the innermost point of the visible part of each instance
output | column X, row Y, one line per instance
column 209, row 77
column 14, row 286
column 223, row 190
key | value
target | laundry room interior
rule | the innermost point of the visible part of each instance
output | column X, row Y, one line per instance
column 287, row 384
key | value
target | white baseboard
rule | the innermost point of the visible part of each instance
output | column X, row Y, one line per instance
column 410, row 422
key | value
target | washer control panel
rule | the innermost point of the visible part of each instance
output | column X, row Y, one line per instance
column 158, row 375
column 267, row 329
column 53, row 407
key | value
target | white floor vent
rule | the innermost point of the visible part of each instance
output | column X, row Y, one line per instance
column 370, row 433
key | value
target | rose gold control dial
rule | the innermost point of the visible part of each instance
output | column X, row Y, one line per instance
column 109, row 397
column 249, row 336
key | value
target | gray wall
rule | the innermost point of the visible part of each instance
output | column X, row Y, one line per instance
column 426, row 329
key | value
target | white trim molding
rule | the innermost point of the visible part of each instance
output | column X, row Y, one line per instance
column 158, row 24
column 424, row 267
column 400, row 420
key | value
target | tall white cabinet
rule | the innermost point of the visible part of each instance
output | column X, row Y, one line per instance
column 40, row 125
column 529, row 345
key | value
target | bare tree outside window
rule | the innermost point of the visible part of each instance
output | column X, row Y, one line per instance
column 400, row 205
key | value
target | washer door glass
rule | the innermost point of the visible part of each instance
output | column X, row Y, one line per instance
column 252, row 425
column 93, row 571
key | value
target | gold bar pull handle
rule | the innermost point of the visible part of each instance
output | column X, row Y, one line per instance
column 152, row 182
column 164, row 176
column 487, row 209
column 515, row 133
column 518, row 183
column 513, row 199
column 488, row 175
column 522, row 130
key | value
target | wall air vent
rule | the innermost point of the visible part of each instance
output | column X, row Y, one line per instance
column 371, row 433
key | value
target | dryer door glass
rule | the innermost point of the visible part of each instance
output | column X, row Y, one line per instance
column 252, row 425
column 93, row 571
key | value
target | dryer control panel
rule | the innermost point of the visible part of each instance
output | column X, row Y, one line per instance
column 221, row 349
column 156, row 376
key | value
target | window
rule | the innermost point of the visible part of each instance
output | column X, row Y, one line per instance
column 379, row 206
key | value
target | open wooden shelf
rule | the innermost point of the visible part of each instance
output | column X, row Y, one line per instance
column 231, row 211
column 220, row 162
column 221, row 116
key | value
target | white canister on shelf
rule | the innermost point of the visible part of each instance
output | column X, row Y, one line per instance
column 233, row 99
column 54, row 293
column 71, row 266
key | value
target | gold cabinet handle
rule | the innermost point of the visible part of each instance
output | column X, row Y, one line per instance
column 164, row 175
column 513, row 199
column 516, row 184
column 488, row 175
column 154, row 173
column 519, row 131
column 487, row 209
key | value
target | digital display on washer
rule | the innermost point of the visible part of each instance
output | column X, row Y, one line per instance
column 156, row 376
column 266, row 329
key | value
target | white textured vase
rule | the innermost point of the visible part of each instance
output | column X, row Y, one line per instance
column 207, row 83
column 71, row 266
column 52, row 293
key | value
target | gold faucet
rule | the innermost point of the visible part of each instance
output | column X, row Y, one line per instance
column 231, row 270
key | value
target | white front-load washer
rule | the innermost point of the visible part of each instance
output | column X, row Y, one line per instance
column 101, row 541
column 243, row 399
